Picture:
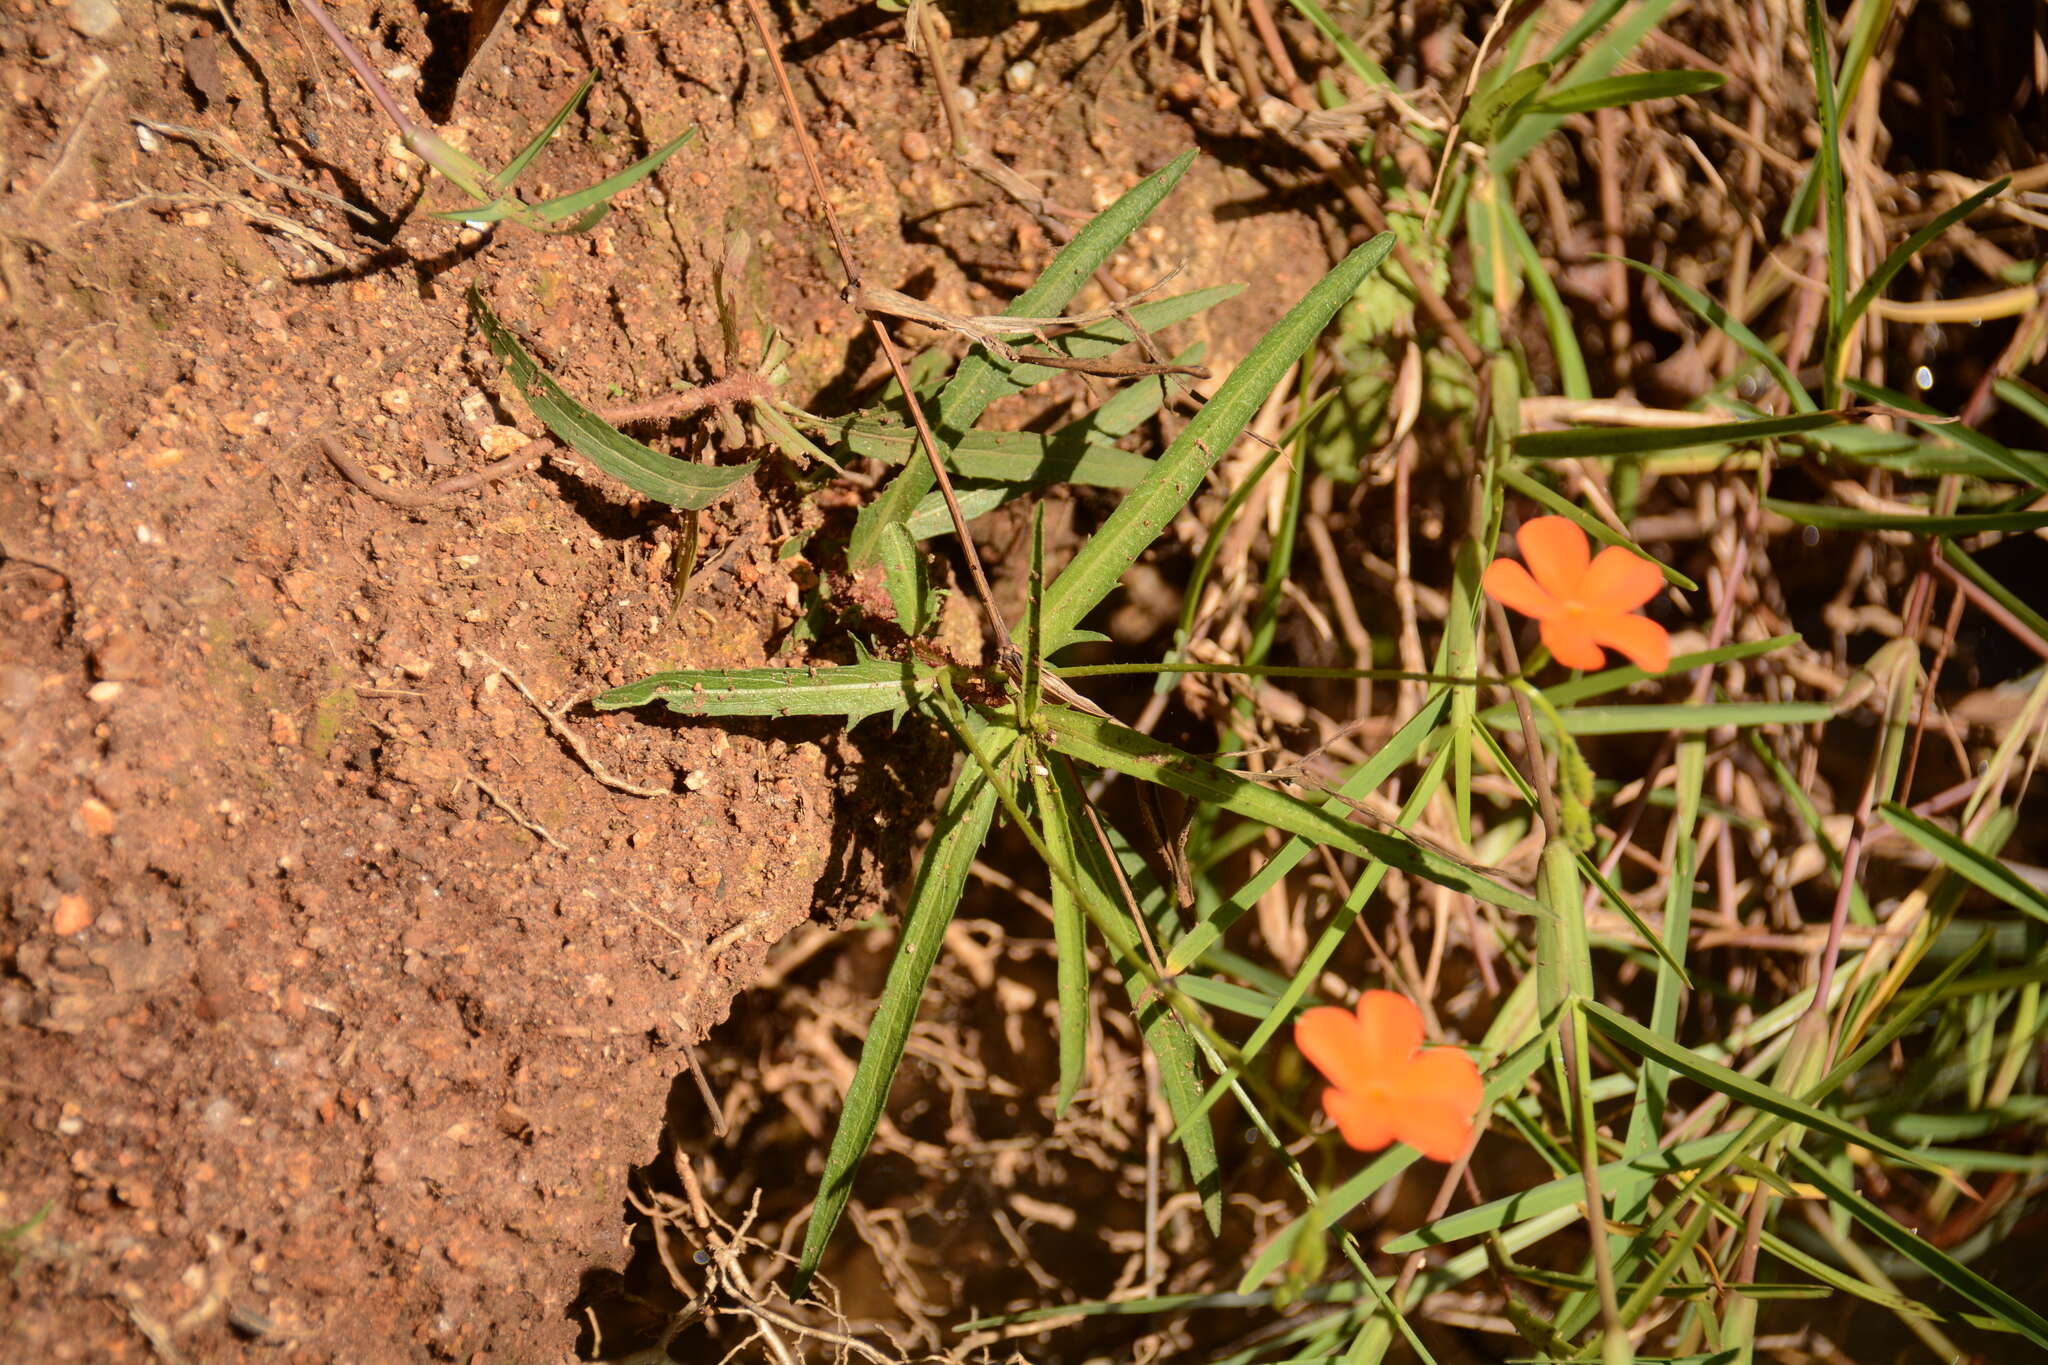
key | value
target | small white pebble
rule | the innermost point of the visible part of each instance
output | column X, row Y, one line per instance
column 1020, row 75
column 146, row 138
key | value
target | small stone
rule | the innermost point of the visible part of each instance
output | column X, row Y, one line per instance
column 1020, row 75
column 501, row 440
column 694, row 780
column 96, row 816
column 914, row 145
column 102, row 693
column 94, row 18
column 397, row 402
column 284, row 730
column 122, row 656
column 761, row 122
column 74, row 915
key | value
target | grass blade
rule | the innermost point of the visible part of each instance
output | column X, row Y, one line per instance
column 516, row 167
column 1855, row 519
column 1610, row 92
column 1860, row 301
column 679, row 483
column 980, row 380
column 1602, row 442
column 855, row 691
column 1737, row 1086
column 1140, row 517
column 941, row 877
column 599, row 196
column 1937, row 1263
column 1949, row 431
column 1716, row 316
column 1972, row 865
column 1106, row 744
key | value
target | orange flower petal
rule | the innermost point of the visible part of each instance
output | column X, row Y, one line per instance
column 1391, row 1027
column 1647, row 644
column 1335, row 1045
column 1445, row 1075
column 1557, row 552
column 1619, row 581
column 1570, row 641
column 1366, row 1123
column 1509, row 584
column 1438, row 1131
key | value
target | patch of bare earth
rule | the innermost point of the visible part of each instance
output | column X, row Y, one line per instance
column 343, row 978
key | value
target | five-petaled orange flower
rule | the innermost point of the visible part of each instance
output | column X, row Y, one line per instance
column 1582, row 602
column 1384, row 1087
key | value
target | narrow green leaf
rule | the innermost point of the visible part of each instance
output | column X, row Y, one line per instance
column 1610, row 92
column 1620, row 1181
column 1572, row 378
column 1603, row 57
column 1354, row 56
column 1973, row 865
column 855, row 691
column 1605, row 442
column 1106, row 744
column 2005, row 597
column 941, row 877
column 1171, row 1044
column 1860, row 301
column 1937, row 1263
column 1368, row 778
column 679, row 483
column 1827, row 169
column 1021, row 457
column 1947, row 430
column 1855, row 519
column 1737, row 1086
column 1717, row 316
column 1680, row 718
column 600, row 194
column 980, row 380
column 516, row 167
column 1143, row 514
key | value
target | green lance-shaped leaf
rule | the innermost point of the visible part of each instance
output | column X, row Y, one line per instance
column 1610, row 92
column 679, row 483
column 582, row 209
column 516, row 167
column 981, row 379
column 2028, row 469
column 1715, row 315
column 1173, row 1047
column 1931, row 524
column 1951, row 1272
column 941, row 877
column 1973, row 865
column 1106, row 744
column 1739, row 1087
column 1581, row 442
column 1889, row 268
column 855, row 691
column 1140, row 517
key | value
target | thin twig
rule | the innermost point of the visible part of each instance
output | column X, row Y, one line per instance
column 571, row 738
column 998, row 630
column 519, row 817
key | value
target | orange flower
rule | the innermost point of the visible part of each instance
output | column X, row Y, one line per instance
column 1383, row 1086
column 1582, row 602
